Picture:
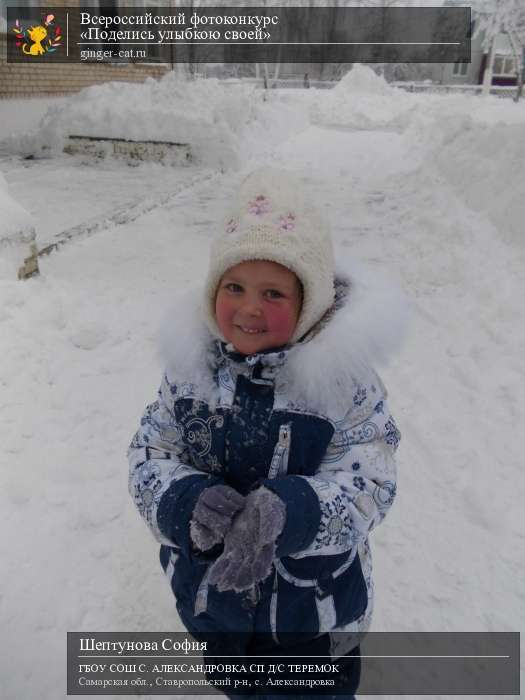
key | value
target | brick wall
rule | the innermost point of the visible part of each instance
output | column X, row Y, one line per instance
column 40, row 79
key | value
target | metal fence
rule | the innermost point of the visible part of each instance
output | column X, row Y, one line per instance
column 498, row 90
column 299, row 83
column 286, row 83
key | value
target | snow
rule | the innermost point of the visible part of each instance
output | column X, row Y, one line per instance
column 472, row 161
column 426, row 187
column 17, row 231
column 21, row 115
column 502, row 45
column 171, row 109
column 15, row 219
column 362, row 79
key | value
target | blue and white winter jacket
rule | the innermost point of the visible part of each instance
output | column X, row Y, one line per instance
column 312, row 424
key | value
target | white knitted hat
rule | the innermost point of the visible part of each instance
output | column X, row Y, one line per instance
column 272, row 220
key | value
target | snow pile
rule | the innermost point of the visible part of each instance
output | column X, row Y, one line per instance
column 488, row 109
column 436, row 119
column 205, row 114
column 23, row 114
column 429, row 131
column 78, row 366
column 486, row 166
column 363, row 100
column 477, row 144
column 17, row 232
column 362, row 79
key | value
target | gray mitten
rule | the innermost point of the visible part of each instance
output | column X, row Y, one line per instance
column 213, row 515
column 249, row 547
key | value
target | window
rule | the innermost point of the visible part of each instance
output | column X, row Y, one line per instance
column 504, row 65
column 108, row 8
column 153, row 50
column 460, row 68
column 111, row 8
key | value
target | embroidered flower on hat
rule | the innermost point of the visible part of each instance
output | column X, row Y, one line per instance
column 260, row 205
column 287, row 223
column 272, row 218
column 231, row 226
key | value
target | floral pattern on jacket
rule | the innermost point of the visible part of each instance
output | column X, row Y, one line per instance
column 241, row 420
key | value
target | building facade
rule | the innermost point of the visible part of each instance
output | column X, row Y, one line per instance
column 39, row 79
column 505, row 69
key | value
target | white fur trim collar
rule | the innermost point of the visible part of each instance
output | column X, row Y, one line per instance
column 320, row 372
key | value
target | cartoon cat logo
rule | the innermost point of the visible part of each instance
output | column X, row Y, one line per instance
column 38, row 35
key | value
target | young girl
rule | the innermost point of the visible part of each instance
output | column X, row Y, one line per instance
column 269, row 454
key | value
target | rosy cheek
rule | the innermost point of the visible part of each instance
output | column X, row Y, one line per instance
column 280, row 320
column 223, row 312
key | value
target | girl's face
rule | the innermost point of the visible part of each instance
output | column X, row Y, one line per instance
column 257, row 305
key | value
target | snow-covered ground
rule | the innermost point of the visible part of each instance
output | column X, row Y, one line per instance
column 19, row 116
column 428, row 188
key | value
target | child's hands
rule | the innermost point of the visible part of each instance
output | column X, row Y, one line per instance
column 213, row 515
column 249, row 547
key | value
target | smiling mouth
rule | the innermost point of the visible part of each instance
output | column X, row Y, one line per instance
column 251, row 331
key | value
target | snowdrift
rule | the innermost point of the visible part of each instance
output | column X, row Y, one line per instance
column 486, row 166
column 207, row 115
column 477, row 144
column 363, row 100
column 78, row 350
column 17, row 232
column 465, row 139
column 478, row 154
